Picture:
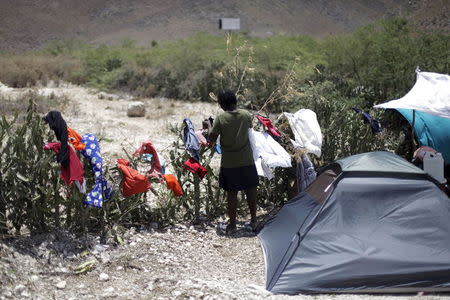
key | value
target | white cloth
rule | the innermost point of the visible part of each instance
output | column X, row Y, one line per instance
column 430, row 94
column 267, row 153
column 306, row 131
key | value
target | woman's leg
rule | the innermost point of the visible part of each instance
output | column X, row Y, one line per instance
column 232, row 207
column 251, row 201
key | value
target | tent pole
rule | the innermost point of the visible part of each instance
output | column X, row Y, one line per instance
column 413, row 144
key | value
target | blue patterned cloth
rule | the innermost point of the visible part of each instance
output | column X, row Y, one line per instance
column 102, row 190
column 190, row 139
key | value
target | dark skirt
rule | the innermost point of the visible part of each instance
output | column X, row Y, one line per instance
column 238, row 179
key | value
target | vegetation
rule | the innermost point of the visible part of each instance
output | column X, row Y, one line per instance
column 270, row 75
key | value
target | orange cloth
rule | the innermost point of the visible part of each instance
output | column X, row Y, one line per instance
column 132, row 181
column 75, row 139
column 173, row 184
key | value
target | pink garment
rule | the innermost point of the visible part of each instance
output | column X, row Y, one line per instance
column 74, row 172
column 147, row 147
column 268, row 124
column 201, row 138
column 420, row 152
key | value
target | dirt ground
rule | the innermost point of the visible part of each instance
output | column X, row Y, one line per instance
column 179, row 262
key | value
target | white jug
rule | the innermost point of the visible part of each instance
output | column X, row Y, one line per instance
column 433, row 164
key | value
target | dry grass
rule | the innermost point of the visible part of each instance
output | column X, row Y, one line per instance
column 30, row 69
column 10, row 106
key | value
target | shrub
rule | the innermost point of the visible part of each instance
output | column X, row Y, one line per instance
column 32, row 69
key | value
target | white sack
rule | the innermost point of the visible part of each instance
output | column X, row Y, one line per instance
column 267, row 153
column 306, row 131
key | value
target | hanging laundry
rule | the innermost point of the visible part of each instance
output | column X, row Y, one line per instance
column 74, row 172
column 374, row 124
column 218, row 148
column 195, row 167
column 148, row 148
column 173, row 184
column 102, row 189
column 273, row 131
column 305, row 172
column 56, row 123
column 75, row 139
column 132, row 182
column 201, row 138
column 306, row 131
column 267, row 153
column 190, row 139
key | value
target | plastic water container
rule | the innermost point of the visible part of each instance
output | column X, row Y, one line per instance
column 433, row 164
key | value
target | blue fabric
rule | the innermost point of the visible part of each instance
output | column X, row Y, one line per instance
column 102, row 190
column 374, row 124
column 218, row 149
column 431, row 131
column 190, row 139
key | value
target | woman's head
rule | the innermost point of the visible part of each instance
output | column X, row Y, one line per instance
column 227, row 100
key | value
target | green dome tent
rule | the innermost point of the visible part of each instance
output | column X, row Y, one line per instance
column 369, row 223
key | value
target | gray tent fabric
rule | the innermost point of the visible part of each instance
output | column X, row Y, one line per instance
column 378, row 161
column 372, row 234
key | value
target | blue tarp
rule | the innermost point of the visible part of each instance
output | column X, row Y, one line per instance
column 430, row 130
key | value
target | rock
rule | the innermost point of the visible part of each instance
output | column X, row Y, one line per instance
column 109, row 290
column 25, row 294
column 34, row 278
column 105, row 258
column 119, row 268
column 217, row 245
column 61, row 285
column 258, row 290
column 136, row 109
column 103, row 95
column 19, row 288
column 150, row 286
column 100, row 248
column 103, row 277
column 154, row 225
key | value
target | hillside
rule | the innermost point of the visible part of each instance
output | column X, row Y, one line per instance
column 30, row 24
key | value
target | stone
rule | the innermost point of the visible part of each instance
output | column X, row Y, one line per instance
column 150, row 286
column 61, row 285
column 154, row 225
column 103, row 95
column 19, row 288
column 103, row 277
column 258, row 290
column 136, row 109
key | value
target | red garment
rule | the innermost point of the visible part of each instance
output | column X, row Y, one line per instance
column 195, row 167
column 268, row 124
column 147, row 147
column 74, row 172
column 132, row 181
column 173, row 184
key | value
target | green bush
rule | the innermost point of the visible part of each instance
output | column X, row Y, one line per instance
column 378, row 61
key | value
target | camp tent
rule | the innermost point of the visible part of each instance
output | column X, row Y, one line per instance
column 430, row 94
column 371, row 222
column 430, row 130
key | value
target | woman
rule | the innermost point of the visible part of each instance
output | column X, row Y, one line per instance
column 237, row 168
